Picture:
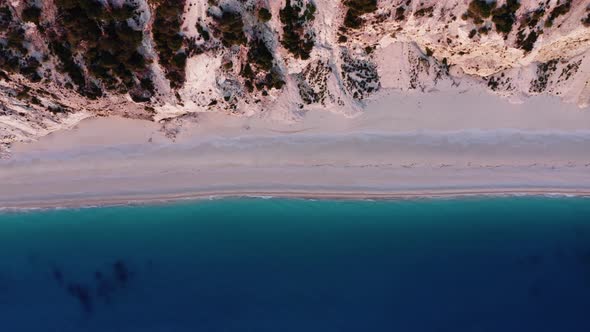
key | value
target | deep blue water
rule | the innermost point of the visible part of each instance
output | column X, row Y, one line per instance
column 478, row 264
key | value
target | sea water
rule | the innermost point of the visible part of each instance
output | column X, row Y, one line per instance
column 464, row 264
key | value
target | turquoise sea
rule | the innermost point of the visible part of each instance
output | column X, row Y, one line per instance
column 463, row 264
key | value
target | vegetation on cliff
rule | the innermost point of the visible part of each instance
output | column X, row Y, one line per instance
column 169, row 40
column 231, row 26
column 99, row 40
column 356, row 9
column 14, row 56
column 297, row 36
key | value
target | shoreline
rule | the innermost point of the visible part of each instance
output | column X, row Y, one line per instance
column 334, row 195
column 402, row 146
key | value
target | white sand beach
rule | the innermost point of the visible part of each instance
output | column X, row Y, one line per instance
column 441, row 143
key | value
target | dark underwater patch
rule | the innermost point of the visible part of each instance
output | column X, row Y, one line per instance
column 102, row 285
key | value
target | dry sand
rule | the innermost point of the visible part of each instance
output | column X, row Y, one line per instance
column 450, row 143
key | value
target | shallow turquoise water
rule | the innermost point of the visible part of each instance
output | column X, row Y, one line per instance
column 477, row 264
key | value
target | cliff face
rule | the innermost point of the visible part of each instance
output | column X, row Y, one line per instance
column 64, row 60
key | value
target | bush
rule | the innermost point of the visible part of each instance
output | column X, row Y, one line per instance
column 64, row 54
column 260, row 71
column 478, row 10
column 57, row 109
column 232, row 28
column 526, row 43
column 5, row 18
column 260, row 55
column 399, row 13
column 29, row 69
column 505, row 16
column 481, row 8
column 169, row 41
column 531, row 19
column 14, row 55
column 425, row 11
column 31, row 14
column 264, row 15
column 15, row 39
column 274, row 80
column 295, row 19
column 204, row 33
column 559, row 10
column 357, row 8
column 106, row 42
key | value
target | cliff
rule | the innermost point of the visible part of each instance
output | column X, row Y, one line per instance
column 64, row 60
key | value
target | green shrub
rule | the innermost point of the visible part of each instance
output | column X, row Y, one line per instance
column 247, row 71
column 478, row 10
column 531, row 19
column 264, row 15
column 260, row 55
column 106, row 42
column 559, row 10
column 505, row 16
column 526, row 43
column 295, row 19
column 204, row 33
column 57, row 109
column 399, row 13
column 5, row 17
column 260, row 71
column 14, row 55
column 64, row 54
column 15, row 39
column 481, row 8
column 169, row 41
column 3, row 75
column 29, row 69
column 424, row 11
column 31, row 14
column 232, row 28
column 274, row 80
column 355, row 9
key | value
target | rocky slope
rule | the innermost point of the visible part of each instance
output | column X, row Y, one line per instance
column 64, row 60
